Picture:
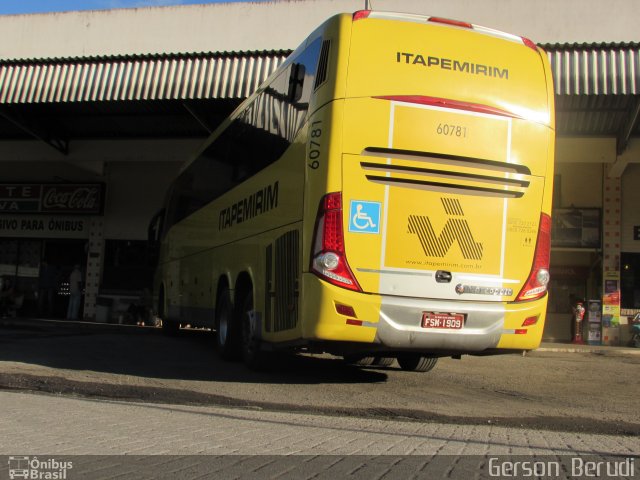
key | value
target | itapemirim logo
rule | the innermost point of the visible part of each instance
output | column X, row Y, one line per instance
column 456, row 229
column 33, row 468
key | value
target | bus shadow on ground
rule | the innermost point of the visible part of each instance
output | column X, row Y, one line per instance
column 145, row 352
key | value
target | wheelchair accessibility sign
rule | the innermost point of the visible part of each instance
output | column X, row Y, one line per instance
column 364, row 217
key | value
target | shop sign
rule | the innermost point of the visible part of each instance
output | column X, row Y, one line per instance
column 568, row 271
column 611, row 300
column 21, row 198
column 44, row 226
column 594, row 335
column 594, row 311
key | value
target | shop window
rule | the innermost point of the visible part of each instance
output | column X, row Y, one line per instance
column 20, row 264
column 128, row 265
column 557, row 191
column 630, row 280
column 576, row 228
column 568, row 284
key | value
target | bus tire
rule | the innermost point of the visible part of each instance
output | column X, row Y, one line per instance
column 169, row 328
column 252, row 356
column 414, row 362
column 359, row 360
column 226, row 328
column 383, row 361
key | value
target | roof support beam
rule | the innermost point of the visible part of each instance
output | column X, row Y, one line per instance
column 36, row 131
column 198, row 118
column 630, row 155
column 629, row 126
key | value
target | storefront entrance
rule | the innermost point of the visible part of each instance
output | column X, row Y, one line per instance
column 30, row 264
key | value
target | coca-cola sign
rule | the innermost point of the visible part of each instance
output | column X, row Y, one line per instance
column 85, row 199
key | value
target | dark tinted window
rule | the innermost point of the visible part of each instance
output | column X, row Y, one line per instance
column 258, row 136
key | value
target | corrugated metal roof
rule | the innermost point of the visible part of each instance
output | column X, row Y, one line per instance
column 595, row 69
column 592, row 114
column 151, row 77
column 579, row 69
column 597, row 85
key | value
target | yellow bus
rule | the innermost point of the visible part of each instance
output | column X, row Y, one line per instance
column 385, row 194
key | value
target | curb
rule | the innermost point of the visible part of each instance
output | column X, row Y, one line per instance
column 593, row 349
column 35, row 323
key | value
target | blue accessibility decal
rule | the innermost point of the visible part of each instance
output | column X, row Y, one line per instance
column 364, row 217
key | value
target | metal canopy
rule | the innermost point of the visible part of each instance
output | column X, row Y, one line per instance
column 141, row 96
column 136, row 77
column 597, row 89
column 187, row 95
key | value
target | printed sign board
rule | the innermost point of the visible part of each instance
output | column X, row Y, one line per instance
column 21, row 198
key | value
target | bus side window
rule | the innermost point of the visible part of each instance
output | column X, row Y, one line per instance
column 296, row 82
column 154, row 232
column 171, row 217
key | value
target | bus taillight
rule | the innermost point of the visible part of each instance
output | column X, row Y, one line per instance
column 449, row 103
column 328, row 259
column 538, row 280
column 360, row 14
column 448, row 21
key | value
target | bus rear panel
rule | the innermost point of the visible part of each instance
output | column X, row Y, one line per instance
column 443, row 196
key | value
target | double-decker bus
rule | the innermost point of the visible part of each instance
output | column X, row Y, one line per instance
column 385, row 194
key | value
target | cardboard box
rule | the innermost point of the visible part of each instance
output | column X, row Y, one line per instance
column 611, row 336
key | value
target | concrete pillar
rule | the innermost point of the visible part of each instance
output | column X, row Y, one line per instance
column 95, row 255
column 611, row 260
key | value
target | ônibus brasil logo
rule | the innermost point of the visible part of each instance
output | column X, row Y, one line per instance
column 33, row 468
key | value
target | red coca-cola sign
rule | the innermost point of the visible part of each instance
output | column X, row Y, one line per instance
column 85, row 199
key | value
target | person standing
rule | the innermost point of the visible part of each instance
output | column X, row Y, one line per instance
column 7, row 296
column 47, row 288
column 75, row 293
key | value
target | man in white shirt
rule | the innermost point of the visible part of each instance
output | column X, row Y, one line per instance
column 75, row 293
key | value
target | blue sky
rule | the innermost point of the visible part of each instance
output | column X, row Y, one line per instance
column 8, row 7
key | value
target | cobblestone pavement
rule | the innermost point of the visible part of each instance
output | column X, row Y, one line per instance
column 34, row 424
column 130, row 403
column 99, row 439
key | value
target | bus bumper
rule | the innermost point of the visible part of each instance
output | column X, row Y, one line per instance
column 395, row 323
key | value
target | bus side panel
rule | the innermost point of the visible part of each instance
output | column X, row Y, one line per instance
column 230, row 236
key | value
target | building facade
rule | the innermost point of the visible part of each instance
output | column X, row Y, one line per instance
column 99, row 109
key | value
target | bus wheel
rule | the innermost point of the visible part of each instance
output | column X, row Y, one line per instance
column 359, row 360
column 383, row 361
column 252, row 355
column 168, row 328
column 416, row 363
column 226, row 336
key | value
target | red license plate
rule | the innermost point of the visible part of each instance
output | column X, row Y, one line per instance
column 452, row 321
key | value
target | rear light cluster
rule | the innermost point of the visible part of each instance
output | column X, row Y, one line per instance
column 328, row 259
column 361, row 14
column 536, row 286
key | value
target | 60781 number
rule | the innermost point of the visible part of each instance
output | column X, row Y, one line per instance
column 314, row 144
column 451, row 130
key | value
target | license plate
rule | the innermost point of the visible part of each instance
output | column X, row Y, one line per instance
column 452, row 321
